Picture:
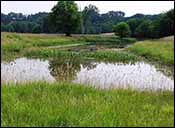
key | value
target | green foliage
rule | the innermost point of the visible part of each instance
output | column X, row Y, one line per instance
column 65, row 16
column 108, row 56
column 10, row 28
column 122, row 29
column 36, row 29
column 65, row 104
column 3, row 27
column 90, row 22
column 167, row 23
column 21, row 27
column 133, row 24
column 144, row 29
column 88, row 15
column 45, row 26
column 159, row 27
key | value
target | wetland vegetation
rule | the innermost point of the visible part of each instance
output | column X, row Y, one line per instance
column 124, row 78
column 64, row 102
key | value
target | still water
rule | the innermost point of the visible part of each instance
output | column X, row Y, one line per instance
column 140, row 75
column 25, row 70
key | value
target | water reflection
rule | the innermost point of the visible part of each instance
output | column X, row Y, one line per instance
column 140, row 75
column 25, row 70
column 65, row 69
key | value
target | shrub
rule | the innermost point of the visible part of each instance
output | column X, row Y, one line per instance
column 122, row 29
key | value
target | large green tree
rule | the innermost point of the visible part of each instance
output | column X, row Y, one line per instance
column 144, row 30
column 122, row 29
column 65, row 17
column 167, row 23
column 133, row 24
column 90, row 15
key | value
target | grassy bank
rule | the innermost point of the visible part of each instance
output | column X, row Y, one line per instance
column 160, row 50
column 63, row 104
column 18, row 45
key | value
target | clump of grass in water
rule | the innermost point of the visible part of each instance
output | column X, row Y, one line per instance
column 107, row 55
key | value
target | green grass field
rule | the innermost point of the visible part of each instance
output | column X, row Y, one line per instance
column 161, row 50
column 42, row 104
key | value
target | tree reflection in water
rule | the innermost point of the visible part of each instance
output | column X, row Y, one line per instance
column 65, row 69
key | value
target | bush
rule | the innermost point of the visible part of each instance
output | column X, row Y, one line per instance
column 36, row 29
column 133, row 24
column 122, row 29
column 10, row 28
column 144, row 29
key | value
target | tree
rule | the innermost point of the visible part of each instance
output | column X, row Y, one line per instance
column 3, row 27
column 90, row 14
column 65, row 17
column 45, row 25
column 155, row 29
column 133, row 24
column 9, row 28
column 36, row 29
column 91, row 22
column 122, row 29
column 144, row 29
column 167, row 23
column 29, row 26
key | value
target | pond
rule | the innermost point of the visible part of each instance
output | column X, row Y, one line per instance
column 140, row 75
column 25, row 70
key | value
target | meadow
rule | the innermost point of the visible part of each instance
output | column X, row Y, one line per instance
column 33, row 45
column 65, row 104
column 161, row 50
column 70, row 104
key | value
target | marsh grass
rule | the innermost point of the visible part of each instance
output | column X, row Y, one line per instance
column 161, row 50
column 99, row 55
column 65, row 104
column 13, row 44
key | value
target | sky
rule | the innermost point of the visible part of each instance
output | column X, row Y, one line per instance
column 129, row 7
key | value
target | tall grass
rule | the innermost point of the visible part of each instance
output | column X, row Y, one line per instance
column 64, row 104
column 161, row 50
column 100, row 55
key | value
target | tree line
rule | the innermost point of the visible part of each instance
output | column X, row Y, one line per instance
column 66, row 18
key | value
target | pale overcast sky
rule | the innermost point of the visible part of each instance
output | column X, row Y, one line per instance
column 129, row 7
